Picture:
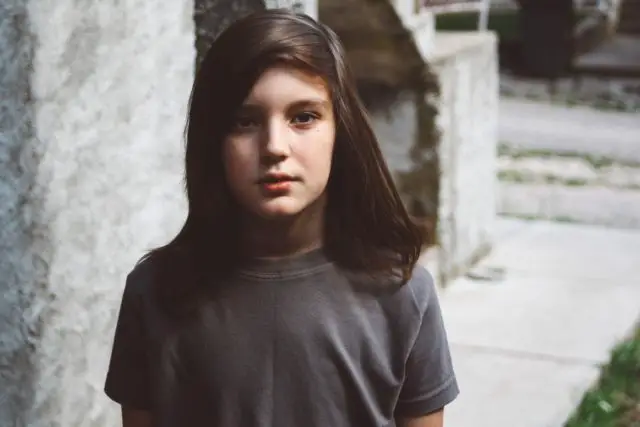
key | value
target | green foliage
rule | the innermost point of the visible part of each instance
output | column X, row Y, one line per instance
column 504, row 23
column 615, row 401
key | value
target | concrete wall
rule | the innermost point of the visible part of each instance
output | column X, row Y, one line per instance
column 410, row 149
column 213, row 16
column 467, row 67
column 17, row 276
column 396, row 129
column 420, row 22
column 92, row 109
column 309, row 7
column 92, row 100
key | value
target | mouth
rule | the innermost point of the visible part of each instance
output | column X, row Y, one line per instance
column 276, row 184
column 276, row 178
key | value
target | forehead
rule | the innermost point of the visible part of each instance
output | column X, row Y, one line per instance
column 282, row 86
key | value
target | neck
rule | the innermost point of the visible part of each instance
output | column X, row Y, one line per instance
column 285, row 237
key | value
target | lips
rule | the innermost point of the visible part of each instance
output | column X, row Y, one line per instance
column 276, row 178
column 276, row 184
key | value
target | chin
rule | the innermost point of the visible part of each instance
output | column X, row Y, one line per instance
column 279, row 209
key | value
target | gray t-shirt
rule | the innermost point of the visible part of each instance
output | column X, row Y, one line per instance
column 294, row 342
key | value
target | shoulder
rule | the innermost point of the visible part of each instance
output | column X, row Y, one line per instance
column 405, row 304
column 408, row 299
column 141, row 278
column 145, row 282
column 167, row 264
column 421, row 288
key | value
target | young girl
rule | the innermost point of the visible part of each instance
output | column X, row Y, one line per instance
column 291, row 296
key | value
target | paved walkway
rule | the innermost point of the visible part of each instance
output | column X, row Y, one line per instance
column 540, row 126
column 526, row 348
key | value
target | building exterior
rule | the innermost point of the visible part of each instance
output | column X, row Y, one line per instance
column 89, row 133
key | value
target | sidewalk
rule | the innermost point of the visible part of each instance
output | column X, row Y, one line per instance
column 526, row 348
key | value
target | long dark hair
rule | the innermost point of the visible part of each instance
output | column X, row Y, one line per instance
column 367, row 226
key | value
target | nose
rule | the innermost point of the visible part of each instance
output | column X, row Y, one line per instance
column 276, row 145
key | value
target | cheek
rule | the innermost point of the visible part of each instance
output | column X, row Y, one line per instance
column 317, row 158
column 238, row 159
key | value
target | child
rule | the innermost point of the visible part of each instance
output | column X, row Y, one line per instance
column 291, row 296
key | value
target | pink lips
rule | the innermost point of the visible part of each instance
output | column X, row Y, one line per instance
column 275, row 183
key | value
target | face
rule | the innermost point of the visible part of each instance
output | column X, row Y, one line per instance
column 278, row 155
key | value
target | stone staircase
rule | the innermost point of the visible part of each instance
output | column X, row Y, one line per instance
column 569, row 188
column 629, row 17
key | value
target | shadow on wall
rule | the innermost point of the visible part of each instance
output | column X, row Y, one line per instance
column 398, row 89
column 417, row 175
column 25, row 253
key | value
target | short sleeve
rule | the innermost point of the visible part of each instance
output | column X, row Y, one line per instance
column 127, row 381
column 430, row 382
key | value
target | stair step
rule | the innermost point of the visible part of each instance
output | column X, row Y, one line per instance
column 571, row 188
column 603, row 206
column 570, row 171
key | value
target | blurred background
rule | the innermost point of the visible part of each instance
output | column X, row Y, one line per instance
column 512, row 129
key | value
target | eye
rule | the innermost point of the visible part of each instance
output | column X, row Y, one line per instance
column 305, row 118
column 244, row 123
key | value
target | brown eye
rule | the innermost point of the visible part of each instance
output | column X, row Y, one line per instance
column 244, row 123
column 304, row 118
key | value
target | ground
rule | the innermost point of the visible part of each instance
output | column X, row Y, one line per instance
column 535, row 337
column 532, row 326
column 528, row 345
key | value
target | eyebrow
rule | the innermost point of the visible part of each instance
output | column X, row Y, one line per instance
column 302, row 103
column 310, row 103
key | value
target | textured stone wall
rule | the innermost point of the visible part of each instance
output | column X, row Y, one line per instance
column 309, row 7
column 451, row 185
column 213, row 16
column 408, row 141
column 420, row 22
column 396, row 129
column 92, row 109
column 92, row 100
column 21, row 274
column 467, row 67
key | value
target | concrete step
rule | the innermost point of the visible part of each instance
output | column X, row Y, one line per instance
column 570, row 171
column 587, row 205
column 538, row 126
column 570, row 189
column 618, row 56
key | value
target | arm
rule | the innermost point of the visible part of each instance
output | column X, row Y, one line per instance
column 430, row 383
column 138, row 418
column 127, row 381
column 435, row 419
